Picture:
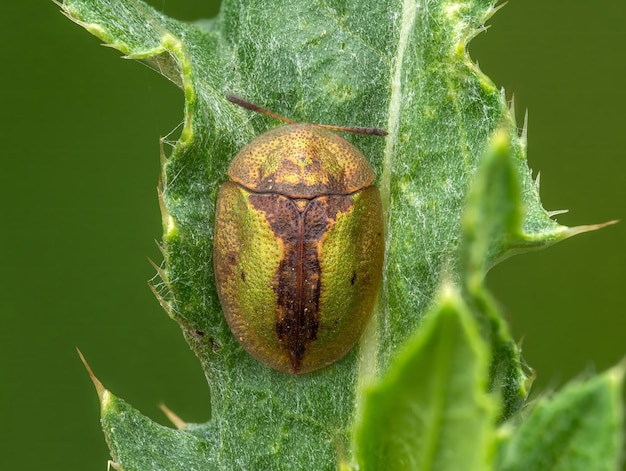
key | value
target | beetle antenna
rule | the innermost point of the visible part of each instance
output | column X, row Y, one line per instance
column 259, row 109
column 355, row 129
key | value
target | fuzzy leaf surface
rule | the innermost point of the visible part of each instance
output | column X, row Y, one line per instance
column 139, row 444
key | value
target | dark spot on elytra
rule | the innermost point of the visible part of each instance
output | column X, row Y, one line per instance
column 243, row 276
column 353, row 279
column 225, row 267
column 198, row 333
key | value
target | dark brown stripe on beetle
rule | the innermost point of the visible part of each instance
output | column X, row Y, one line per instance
column 301, row 226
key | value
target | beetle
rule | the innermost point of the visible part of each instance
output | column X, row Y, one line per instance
column 298, row 244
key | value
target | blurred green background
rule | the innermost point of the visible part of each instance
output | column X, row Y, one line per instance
column 80, row 216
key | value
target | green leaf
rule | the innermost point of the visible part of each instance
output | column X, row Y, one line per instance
column 400, row 66
column 432, row 411
column 139, row 444
column 494, row 213
column 492, row 222
column 494, row 227
column 580, row 428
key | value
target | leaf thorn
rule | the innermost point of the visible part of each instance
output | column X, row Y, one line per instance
column 556, row 212
column 114, row 465
column 177, row 421
column 572, row 231
column 100, row 389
